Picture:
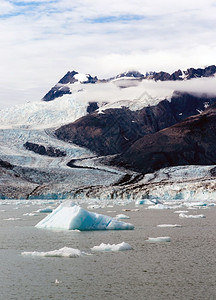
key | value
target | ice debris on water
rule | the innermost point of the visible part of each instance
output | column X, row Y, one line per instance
column 159, row 239
column 70, row 216
column 121, row 216
column 114, row 247
column 45, row 210
column 169, row 225
column 63, row 252
column 158, row 206
column 12, row 219
column 191, row 216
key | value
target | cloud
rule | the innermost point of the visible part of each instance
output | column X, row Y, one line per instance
column 42, row 40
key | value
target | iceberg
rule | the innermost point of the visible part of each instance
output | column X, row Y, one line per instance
column 69, row 216
column 63, row 252
column 114, row 247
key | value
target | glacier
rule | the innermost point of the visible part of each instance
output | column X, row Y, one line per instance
column 69, row 216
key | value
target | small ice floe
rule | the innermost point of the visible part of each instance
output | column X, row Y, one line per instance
column 169, row 225
column 121, row 216
column 70, row 216
column 30, row 214
column 191, row 216
column 159, row 239
column 2, row 210
column 57, row 281
column 158, row 206
column 45, row 210
column 195, row 204
column 12, row 219
column 180, row 211
column 146, row 201
column 63, row 252
column 114, row 247
column 143, row 201
column 135, row 209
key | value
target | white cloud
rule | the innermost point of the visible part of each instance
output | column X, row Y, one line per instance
column 42, row 40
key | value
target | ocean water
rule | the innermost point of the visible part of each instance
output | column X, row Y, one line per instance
column 184, row 268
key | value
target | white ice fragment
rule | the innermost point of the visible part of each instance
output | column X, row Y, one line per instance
column 114, row 247
column 12, row 219
column 180, row 211
column 57, row 281
column 192, row 204
column 63, row 252
column 158, row 206
column 30, row 214
column 169, row 225
column 191, row 216
column 159, row 239
column 70, row 216
column 122, row 216
column 45, row 210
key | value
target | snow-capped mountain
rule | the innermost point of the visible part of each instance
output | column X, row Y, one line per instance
column 93, row 136
column 64, row 86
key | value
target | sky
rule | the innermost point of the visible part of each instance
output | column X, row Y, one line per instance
column 41, row 40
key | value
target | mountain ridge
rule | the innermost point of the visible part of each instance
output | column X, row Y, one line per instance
column 62, row 87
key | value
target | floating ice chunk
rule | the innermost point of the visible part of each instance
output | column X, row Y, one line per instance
column 71, row 216
column 63, row 252
column 45, row 210
column 143, row 201
column 122, row 216
column 191, row 216
column 180, row 211
column 191, row 204
column 159, row 239
column 12, row 219
column 57, row 281
column 30, row 214
column 114, row 247
column 158, row 206
column 146, row 201
column 169, row 225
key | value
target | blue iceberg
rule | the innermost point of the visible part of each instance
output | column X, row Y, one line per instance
column 69, row 216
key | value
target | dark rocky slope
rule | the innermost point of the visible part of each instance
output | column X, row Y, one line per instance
column 42, row 150
column 190, row 142
column 115, row 130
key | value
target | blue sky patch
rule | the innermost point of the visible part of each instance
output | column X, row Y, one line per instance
column 113, row 19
